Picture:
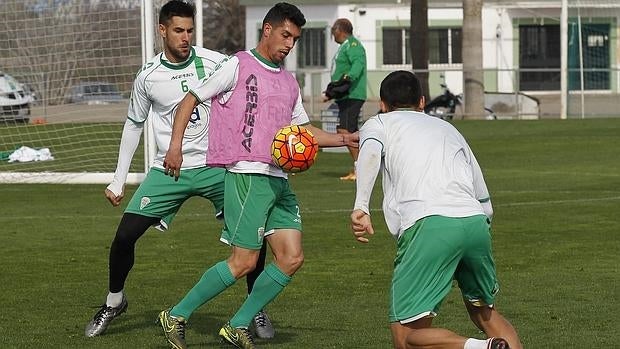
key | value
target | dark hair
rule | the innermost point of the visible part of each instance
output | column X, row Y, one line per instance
column 344, row 25
column 283, row 11
column 176, row 8
column 401, row 89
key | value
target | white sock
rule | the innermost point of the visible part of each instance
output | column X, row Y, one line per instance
column 473, row 343
column 114, row 299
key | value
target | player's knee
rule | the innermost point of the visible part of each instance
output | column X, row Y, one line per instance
column 242, row 264
column 124, row 237
column 131, row 228
column 399, row 342
column 246, row 269
column 297, row 261
column 400, row 346
column 290, row 263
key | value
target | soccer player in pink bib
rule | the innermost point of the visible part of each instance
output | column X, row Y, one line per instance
column 252, row 97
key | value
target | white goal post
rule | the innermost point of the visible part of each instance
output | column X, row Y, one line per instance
column 66, row 71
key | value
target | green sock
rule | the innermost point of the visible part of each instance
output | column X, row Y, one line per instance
column 266, row 288
column 215, row 280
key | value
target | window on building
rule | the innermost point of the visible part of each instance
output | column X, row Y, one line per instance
column 396, row 46
column 539, row 57
column 444, row 46
column 311, row 48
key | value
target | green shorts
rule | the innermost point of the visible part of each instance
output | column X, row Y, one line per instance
column 433, row 252
column 161, row 196
column 255, row 205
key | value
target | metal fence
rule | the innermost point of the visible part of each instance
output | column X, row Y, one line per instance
column 596, row 98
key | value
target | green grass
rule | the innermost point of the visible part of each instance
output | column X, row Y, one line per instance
column 555, row 187
column 76, row 147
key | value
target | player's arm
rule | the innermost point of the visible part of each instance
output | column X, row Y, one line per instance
column 480, row 188
column 325, row 139
column 357, row 57
column 130, row 139
column 367, row 170
column 174, row 155
column 221, row 80
column 137, row 112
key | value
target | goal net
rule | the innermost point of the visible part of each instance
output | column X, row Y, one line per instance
column 593, row 74
column 66, row 71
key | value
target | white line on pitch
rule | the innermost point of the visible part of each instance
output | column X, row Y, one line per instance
column 311, row 211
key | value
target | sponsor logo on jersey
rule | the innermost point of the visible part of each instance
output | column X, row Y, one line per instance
column 198, row 121
column 251, row 105
column 181, row 76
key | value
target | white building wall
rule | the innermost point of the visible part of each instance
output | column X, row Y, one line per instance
column 500, row 60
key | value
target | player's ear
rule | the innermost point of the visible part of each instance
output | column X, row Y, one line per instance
column 383, row 107
column 267, row 30
column 422, row 103
column 162, row 30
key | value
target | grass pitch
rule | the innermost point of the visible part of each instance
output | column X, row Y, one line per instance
column 555, row 187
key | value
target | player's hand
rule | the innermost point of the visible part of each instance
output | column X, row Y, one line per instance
column 172, row 163
column 361, row 225
column 352, row 139
column 112, row 198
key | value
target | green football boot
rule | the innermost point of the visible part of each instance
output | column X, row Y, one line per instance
column 174, row 329
column 238, row 337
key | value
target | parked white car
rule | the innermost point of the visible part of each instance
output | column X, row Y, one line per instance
column 14, row 100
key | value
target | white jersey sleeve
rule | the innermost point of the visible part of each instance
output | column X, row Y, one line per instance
column 137, row 113
column 372, row 137
column 139, row 102
column 367, row 169
column 300, row 117
column 480, row 187
column 129, row 143
column 219, row 82
column 373, row 129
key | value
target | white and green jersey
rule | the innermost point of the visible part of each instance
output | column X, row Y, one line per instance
column 159, row 87
column 427, row 169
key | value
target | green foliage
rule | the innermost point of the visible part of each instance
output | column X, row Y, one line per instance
column 555, row 189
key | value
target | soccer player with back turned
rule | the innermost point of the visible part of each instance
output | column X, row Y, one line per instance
column 437, row 206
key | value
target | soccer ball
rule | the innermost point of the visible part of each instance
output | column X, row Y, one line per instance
column 294, row 149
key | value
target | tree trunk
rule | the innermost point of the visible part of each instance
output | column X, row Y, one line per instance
column 418, row 41
column 473, row 76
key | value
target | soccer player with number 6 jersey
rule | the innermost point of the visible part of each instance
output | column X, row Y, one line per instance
column 159, row 86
